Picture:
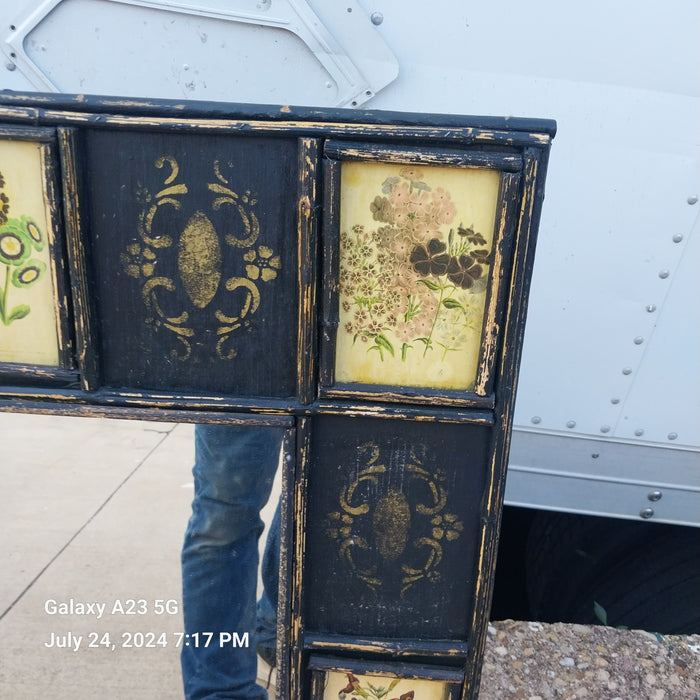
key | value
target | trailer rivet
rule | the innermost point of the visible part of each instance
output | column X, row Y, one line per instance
column 672, row 436
column 639, row 432
column 693, row 199
column 638, row 340
column 651, row 308
column 664, row 274
column 678, row 238
column 614, row 401
column 627, row 370
column 654, row 495
column 377, row 18
column 604, row 428
column 646, row 513
column 595, row 455
column 571, row 424
column 535, row 420
column 10, row 66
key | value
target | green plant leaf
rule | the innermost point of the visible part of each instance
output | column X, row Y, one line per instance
column 431, row 285
column 600, row 613
column 18, row 312
column 404, row 351
column 453, row 304
column 384, row 342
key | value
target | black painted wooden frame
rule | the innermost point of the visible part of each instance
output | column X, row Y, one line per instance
column 517, row 148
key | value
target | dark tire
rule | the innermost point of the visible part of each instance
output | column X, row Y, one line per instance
column 644, row 575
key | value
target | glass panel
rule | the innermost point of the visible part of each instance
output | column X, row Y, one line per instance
column 415, row 253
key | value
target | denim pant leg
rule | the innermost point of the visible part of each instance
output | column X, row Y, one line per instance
column 234, row 470
column 266, row 632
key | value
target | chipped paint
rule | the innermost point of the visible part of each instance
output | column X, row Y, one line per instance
column 464, row 135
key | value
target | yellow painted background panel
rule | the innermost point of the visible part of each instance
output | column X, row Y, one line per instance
column 33, row 338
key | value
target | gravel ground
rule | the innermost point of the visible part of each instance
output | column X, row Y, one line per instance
column 535, row 661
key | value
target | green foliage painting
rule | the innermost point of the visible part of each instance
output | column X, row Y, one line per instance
column 20, row 239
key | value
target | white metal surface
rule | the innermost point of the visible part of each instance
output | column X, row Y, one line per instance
column 261, row 51
column 604, row 477
column 610, row 363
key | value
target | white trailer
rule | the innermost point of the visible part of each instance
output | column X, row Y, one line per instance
column 608, row 408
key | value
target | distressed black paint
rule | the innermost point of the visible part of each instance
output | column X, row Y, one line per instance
column 395, row 509
column 191, row 241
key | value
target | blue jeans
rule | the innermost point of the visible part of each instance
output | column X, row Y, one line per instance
column 233, row 475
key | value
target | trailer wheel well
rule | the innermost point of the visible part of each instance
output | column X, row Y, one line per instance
column 643, row 575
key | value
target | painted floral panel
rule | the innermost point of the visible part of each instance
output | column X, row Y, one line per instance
column 28, row 313
column 345, row 686
column 415, row 255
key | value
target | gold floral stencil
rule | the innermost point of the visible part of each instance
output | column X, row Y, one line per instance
column 415, row 255
column 366, row 522
column 200, row 267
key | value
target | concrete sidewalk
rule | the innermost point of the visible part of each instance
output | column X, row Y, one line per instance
column 92, row 511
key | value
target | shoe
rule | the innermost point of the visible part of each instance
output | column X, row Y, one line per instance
column 267, row 654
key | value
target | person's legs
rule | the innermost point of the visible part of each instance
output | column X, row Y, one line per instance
column 266, row 631
column 234, row 470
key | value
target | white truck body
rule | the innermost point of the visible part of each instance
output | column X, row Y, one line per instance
column 608, row 409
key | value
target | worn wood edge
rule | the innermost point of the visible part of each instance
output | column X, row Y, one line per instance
column 531, row 202
column 449, row 649
column 38, row 375
column 491, row 328
column 307, row 256
column 142, row 106
column 70, row 400
column 424, row 155
column 149, row 414
column 284, row 609
column 50, row 176
column 399, row 669
column 27, row 133
column 83, row 312
column 396, row 412
column 136, row 400
column 296, row 631
column 456, row 134
column 330, row 265
column 406, row 395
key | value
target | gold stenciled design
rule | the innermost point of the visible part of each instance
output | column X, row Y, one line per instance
column 411, row 535
column 200, row 270
column 199, row 259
